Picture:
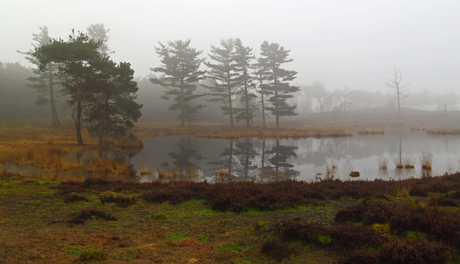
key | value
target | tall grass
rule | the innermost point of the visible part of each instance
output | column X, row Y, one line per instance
column 383, row 162
column 408, row 163
column 398, row 162
column 426, row 159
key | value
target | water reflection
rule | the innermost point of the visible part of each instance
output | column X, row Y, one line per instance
column 309, row 159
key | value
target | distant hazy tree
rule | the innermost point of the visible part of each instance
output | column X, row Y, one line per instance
column 112, row 109
column 180, row 73
column 77, row 60
column 16, row 99
column 272, row 57
column 223, row 76
column 98, row 33
column 243, row 57
column 319, row 92
column 44, row 80
column 395, row 84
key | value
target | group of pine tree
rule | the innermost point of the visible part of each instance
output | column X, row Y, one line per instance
column 102, row 93
column 234, row 73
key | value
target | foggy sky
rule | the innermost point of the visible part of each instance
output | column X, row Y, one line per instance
column 354, row 43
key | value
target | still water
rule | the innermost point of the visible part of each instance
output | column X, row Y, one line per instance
column 308, row 159
column 258, row 159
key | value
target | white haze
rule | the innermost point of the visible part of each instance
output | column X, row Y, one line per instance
column 354, row 43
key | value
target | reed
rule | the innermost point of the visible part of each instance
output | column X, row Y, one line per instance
column 383, row 162
column 426, row 160
column 408, row 163
column 398, row 162
column 371, row 132
column 144, row 171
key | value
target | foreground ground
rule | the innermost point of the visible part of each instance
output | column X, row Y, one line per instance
column 95, row 221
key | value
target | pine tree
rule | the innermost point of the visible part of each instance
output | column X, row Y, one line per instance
column 76, row 59
column 112, row 109
column 272, row 57
column 98, row 32
column 180, row 73
column 261, row 76
column 223, row 76
column 45, row 80
column 243, row 57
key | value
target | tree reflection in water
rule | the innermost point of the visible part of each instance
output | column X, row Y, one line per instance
column 184, row 168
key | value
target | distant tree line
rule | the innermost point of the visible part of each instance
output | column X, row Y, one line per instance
column 242, row 86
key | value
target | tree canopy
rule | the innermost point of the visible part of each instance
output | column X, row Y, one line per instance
column 179, row 75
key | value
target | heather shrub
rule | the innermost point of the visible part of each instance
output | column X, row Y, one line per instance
column 415, row 251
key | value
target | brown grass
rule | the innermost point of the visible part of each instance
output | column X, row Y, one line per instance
column 371, row 131
column 426, row 159
column 443, row 131
column 383, row 163
column 214, row 131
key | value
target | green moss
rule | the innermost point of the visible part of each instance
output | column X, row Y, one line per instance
column 324, row 239
column 176, row 236
column 92, row 254
column 74, row 250
column 415, row 234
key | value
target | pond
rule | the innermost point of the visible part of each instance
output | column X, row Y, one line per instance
column 259, row 159
column 308, row 159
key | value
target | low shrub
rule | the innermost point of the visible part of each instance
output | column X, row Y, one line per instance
column 276, row 249
column 367, row 212
column 120, row 201
column 415, row 251
column 359, row 257
column 74, row 197
column 88, row 214
column 355, row 237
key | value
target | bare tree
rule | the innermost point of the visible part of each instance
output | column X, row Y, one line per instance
column 395, row 84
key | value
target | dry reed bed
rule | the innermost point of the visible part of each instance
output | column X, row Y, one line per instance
column 151, row 130
column 443, row 131
column 371, row 132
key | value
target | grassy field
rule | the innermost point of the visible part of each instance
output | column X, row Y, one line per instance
column 95, row 221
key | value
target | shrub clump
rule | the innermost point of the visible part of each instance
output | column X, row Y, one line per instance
column 277, row 249
column 355, row 237
column 415, row 251
column 120, row 201
column 87, row 214
column 359, row 257
column 74, row 197
column 92, row 254
column 366, row 212
column 307, row 232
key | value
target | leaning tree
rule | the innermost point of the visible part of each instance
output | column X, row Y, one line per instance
column 272, row 57
column 76, row 59
column 179, row 75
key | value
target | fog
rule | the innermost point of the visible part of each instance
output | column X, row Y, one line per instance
column 340, row 43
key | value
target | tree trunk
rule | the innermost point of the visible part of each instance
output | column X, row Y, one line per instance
column 247, row 101
column 263, row 104
column 52, row 102
column 230, row 103
column 276, row 105
column 78, row 123
column 231, row 158
column 182, row 117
